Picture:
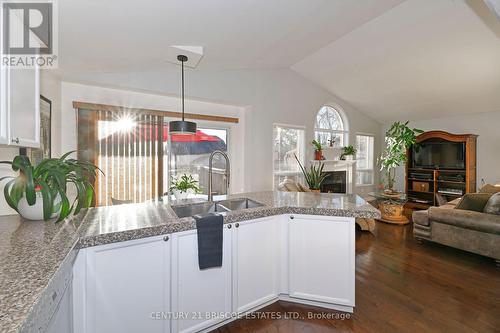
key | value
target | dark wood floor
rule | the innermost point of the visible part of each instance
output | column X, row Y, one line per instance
column 402, row 286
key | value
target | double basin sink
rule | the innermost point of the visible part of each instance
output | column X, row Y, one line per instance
column 215, row 207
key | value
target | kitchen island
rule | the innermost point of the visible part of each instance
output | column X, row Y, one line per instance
column 49, row 272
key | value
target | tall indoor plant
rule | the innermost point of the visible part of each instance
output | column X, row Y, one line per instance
column 398, row 139
column 40, row 191
column 314, row 175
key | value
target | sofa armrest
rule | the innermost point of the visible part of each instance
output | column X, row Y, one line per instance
column 466, row 219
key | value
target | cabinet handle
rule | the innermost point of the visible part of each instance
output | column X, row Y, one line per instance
column 229, row 226
column 166, row 238
column 292, row 217
column 16, row 140
column 237, row 225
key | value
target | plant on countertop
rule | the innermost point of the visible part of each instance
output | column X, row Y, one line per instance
column 48, row 181
column 314, row 176
column 184, row 184
column 348, row 151
column 398, row 139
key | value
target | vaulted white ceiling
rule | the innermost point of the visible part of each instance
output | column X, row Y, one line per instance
column 391, row 59
column 135, row 34
column 421, row 59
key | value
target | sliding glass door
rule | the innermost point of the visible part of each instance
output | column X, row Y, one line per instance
column 139, row 158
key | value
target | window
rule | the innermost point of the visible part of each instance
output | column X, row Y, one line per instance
column 364, row 158
column 330, row 125
column 287, row 142
column 189, row 154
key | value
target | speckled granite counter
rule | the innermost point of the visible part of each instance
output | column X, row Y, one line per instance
column 36, row 257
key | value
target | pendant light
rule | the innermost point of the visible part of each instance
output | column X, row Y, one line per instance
column 182, row 126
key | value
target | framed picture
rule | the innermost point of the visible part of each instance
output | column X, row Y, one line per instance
column 36, row 155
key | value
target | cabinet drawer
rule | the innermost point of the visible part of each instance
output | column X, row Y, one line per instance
column 420, row 186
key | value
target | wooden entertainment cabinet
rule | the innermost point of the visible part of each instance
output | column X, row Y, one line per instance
column 421, row 191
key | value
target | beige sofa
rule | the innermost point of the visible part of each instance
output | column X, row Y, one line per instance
column 467, row 230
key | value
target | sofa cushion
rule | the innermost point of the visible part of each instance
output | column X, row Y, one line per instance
column 420, row 217
column 493, row 205
column 466, row 219
column 474, row 201
column 488, row 188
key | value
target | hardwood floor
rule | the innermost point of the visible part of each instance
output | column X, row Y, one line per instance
column 401, row 286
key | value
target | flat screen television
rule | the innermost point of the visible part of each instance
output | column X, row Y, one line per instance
column 439, row 155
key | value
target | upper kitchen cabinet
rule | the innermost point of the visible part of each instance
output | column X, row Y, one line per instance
column 21, row 108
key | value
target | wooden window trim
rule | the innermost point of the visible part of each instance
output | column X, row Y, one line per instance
column 161, row 113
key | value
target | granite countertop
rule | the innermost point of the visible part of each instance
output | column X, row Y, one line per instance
column 32, row 252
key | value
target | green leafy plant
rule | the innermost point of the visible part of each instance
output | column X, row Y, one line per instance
column 317, row 145
column 184, row 184
column 51, row 177
column 314, row 176
column 398, row 139
column 347, row 151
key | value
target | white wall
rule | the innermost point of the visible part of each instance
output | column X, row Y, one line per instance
column 50, row 87
column 486, row 125
column 270, row 96
column 101, row 95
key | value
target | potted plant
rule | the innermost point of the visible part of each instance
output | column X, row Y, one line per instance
column 318, row 150
column 39, row 192
column 398, row 139
column 314, row 176
column 183, row 186
column 348, row 151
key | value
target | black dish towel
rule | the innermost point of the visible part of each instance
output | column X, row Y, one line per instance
column 209, row 229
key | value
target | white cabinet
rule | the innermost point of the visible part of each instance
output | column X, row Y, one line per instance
column 321, row 259
column 20, row 107
column 23, row 107
column 62, row 318
column 128, row 287
column 153, row 285
column 256, row 262
column 200, row 298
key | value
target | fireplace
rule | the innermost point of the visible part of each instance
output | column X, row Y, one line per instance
column 335, row 182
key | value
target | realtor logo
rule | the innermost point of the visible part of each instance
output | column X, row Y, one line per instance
column 28, row 30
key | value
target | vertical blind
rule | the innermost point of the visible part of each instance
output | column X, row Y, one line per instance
column 128, row 148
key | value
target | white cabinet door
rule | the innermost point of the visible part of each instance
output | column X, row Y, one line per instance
column 4, row 135
column 321, row 259
column 23, row 105
column 256, row 262
column 128, row 287
column 199, row 296
column 62, row 320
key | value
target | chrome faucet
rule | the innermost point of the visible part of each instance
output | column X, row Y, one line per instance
column 227, row 172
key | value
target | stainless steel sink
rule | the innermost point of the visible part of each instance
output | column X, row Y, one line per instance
column 239, row 204
column 198, row 208
column 215, row 207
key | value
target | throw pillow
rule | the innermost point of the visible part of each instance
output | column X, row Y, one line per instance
column 493, row 204
column 474, row 201
column 488, row 188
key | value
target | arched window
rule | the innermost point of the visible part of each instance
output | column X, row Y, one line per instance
column 330, row 125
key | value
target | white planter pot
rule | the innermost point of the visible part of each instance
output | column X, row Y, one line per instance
column 35, row 212
column 180, row 195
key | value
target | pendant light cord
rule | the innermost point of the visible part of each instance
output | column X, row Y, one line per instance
column 182, row 64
